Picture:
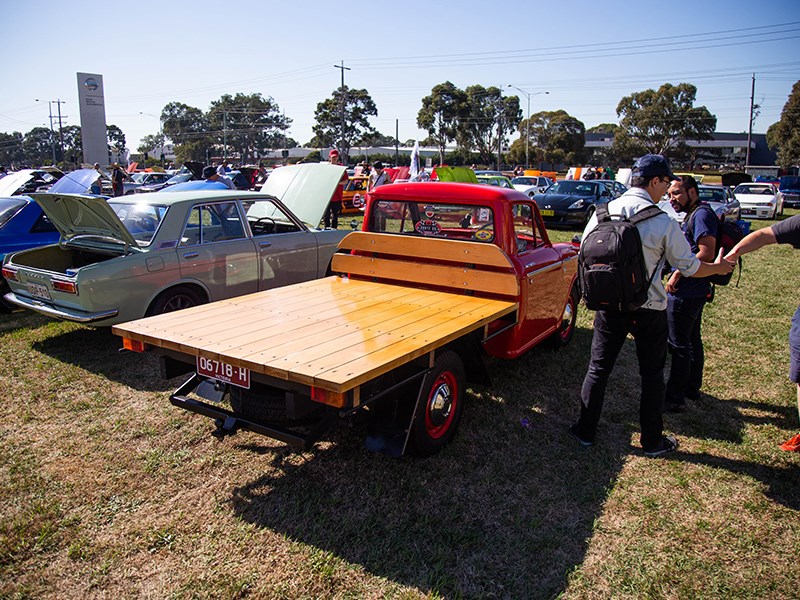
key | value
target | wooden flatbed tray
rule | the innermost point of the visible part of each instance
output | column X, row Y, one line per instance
column 334, row 333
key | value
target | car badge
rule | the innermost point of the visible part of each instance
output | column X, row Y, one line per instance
column 91, row 84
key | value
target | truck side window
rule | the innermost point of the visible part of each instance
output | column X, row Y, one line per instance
column 524, row 227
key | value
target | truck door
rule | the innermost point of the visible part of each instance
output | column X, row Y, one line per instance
column 216, row 250
column 543, row 288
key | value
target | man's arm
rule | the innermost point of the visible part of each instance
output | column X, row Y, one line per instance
column 752, row 242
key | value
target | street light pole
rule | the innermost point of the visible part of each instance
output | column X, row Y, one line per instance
column 160, row 134
column 528, row 95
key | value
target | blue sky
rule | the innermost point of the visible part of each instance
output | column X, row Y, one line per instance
column 587, row 55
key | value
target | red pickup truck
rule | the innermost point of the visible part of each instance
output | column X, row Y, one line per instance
column 441, row 274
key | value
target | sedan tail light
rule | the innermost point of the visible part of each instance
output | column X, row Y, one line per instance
column 10, row 274
column 68, row 287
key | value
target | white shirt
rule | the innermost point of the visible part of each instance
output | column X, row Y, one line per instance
column 662, row 238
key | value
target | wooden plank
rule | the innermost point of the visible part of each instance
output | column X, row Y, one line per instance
column 476, row 253
column 459, row 278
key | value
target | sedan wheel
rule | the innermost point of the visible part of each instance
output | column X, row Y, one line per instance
column 177, row 298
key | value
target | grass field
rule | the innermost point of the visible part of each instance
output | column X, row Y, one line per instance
column 107, row 491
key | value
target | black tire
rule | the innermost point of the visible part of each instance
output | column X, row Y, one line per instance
column 440, row 408
column 566, row 328
column 589, row 212
column 176, row 298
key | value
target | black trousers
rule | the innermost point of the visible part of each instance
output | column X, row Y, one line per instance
column 649, row 330
column 685, row 317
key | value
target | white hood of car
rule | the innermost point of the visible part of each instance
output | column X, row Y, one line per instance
column 12, row 182
column 305, row 189
column 75, row 215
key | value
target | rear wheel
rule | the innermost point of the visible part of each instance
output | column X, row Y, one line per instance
column 177, row 298
column 439, row 412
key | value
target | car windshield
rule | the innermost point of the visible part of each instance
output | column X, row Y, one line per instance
column 711, row 195
column 573, row 188
column 142, row 219
column 790, row 183
column 9, row 207
column 139, row 177
column 753, row 189
column 524, row 181
column 451, row 221
column 179, row 178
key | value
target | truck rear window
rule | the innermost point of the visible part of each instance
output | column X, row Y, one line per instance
column 430, row 219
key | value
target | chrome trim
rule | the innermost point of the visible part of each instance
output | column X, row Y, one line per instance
column 50, row 311
column 552, row 267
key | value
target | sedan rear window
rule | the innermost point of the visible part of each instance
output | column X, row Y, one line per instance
column 142, row 220
column 8, row 208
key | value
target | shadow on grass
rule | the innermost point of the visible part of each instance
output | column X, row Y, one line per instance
column 725, row 419
column 780, row 482
column 507, row 509
column 97, row 350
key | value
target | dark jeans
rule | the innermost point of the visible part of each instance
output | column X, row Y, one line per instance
column 331, row 218
column 649, row 330
column 685, row 316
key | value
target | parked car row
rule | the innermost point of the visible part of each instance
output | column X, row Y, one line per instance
column 124, row 258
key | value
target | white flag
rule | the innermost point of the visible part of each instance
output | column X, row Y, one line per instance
column 413, row 172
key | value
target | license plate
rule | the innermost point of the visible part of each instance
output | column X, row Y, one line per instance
column 39, row 291
column 217, row 369
column 546, row 213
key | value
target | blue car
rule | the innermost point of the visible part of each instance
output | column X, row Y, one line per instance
column 790, row 188
column 23, row 225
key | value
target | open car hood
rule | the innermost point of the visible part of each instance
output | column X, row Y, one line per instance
column 76, row 182
column 12, row 182
column 305, row 189
column 75, row 215
column 195, row 168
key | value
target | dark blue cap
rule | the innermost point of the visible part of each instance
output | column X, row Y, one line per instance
column 652, row 165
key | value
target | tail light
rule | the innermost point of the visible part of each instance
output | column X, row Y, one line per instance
column 325, row 397
column 10, row 274
column 133, row 345
column 68, row 287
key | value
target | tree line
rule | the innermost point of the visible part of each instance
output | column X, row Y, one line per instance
column 478, row 121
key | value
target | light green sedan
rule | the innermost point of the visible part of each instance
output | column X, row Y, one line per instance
column 134, row 256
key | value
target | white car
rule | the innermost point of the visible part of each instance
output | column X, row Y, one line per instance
column 759, row 200
column 531, row 185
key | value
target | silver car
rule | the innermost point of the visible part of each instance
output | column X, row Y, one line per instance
column 133, row 256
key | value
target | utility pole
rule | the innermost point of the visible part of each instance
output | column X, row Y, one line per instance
column 750, row 123
column 60, row 131
column 396, row 141
column 343, row 69
column 224, row 135
column 52, row 133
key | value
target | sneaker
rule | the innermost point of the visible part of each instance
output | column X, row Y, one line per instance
column 792, row 445
column 668, row 444
column 574, row 431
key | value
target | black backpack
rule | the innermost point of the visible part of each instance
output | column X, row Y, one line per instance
column 728, row 235
column 611, row 265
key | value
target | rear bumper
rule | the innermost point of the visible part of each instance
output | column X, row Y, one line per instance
column 58, row 313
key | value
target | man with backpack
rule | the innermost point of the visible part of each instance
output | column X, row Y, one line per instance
column 626, row 291
column 686, row 296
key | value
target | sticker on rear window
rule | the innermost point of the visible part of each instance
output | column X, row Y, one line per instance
column 428, row 227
